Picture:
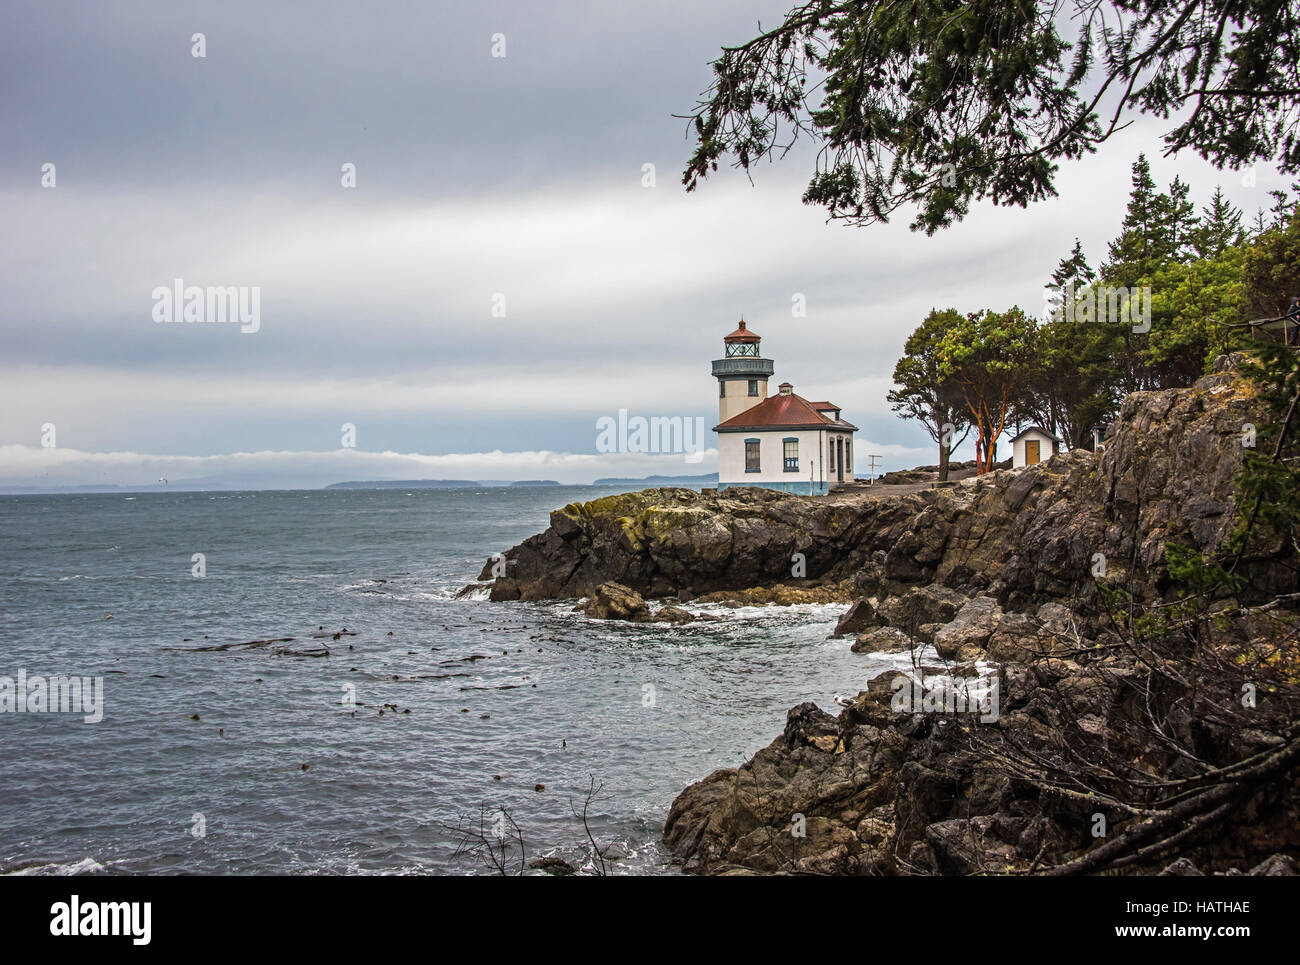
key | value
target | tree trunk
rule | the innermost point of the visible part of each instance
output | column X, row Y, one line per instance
column 984, row 446
column 944, row 456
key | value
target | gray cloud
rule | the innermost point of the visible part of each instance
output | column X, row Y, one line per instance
column 476, row 176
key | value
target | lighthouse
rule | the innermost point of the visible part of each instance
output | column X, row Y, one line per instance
column 779, row 442
column 742, row 373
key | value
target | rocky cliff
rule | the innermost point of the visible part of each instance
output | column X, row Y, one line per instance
column 878, row 792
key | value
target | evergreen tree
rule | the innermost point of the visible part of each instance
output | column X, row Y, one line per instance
column 1275, row 218
column 1220, row 227
column 1197, row 308
column 942, row 104
column 1177, row 221
column 1072, row 273
column 1272, row 269
column 1071, row 382
column 1073, row 269
column 1138, row 249
column 1281, row 211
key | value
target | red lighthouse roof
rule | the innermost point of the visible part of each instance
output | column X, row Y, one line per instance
column 742, row 334
column 783, row 411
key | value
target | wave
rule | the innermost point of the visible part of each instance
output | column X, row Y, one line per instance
column 86, row 866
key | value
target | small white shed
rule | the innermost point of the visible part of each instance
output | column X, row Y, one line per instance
column 1033, row 445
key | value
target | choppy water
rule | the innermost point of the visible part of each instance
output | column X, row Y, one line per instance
column 556, row 698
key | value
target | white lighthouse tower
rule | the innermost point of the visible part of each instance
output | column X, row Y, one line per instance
column 742, row 375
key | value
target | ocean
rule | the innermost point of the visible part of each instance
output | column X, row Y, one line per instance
column 268, row 759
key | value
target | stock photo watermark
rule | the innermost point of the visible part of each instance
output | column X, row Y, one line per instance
column 1105, row 304
column 214, row 305
column 128, row 919
column 657, row 434
column 57, row 694
column 979, row 696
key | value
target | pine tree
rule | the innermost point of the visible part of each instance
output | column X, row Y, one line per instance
column 1073, row 269
column 943, row 104
column 1220, row 227
column 1272, row 268
column 1177, row 221
column 1135, row 252
column 1282, row 209
column 1072, row 274
column 1277, row 217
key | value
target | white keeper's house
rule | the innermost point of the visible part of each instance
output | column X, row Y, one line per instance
column 781, row 441
column 1031, row 446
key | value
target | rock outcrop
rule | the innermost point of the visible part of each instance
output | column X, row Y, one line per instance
column 857, row 618
column 614, row 601
column 664, row 542
column 883, row 640
column 965, row 637
column 875, row 791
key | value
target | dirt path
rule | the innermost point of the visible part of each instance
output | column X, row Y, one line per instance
column 879, row 490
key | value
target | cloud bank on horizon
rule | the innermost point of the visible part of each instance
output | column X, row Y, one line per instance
column 33, row 467
column 501, row 275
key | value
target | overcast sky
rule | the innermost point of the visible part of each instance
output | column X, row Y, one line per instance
column 476, row 176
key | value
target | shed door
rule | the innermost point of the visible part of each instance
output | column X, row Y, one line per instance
column 1031, row 451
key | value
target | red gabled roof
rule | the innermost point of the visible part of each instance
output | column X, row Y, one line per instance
column 742, row 334
column 782, row 412
column 823, row 406
column 1039, row 429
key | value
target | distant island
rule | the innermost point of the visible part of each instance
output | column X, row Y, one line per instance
column 20, row 490
column 708, row 479
column 405, row 484
column 236, row 484
column 438, row 483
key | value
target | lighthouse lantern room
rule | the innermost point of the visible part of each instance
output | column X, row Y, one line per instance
column 742, row 374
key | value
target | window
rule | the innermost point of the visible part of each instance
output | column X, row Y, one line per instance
column 791, row 455
column 848, row 454
column 830, row 462
column 752, row 463
column 753, row 386
column 722, row 389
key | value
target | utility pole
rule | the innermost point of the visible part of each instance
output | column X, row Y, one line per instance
column 874, row 460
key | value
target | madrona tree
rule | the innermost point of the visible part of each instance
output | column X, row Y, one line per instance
column 986, row 357
column 921, row 393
